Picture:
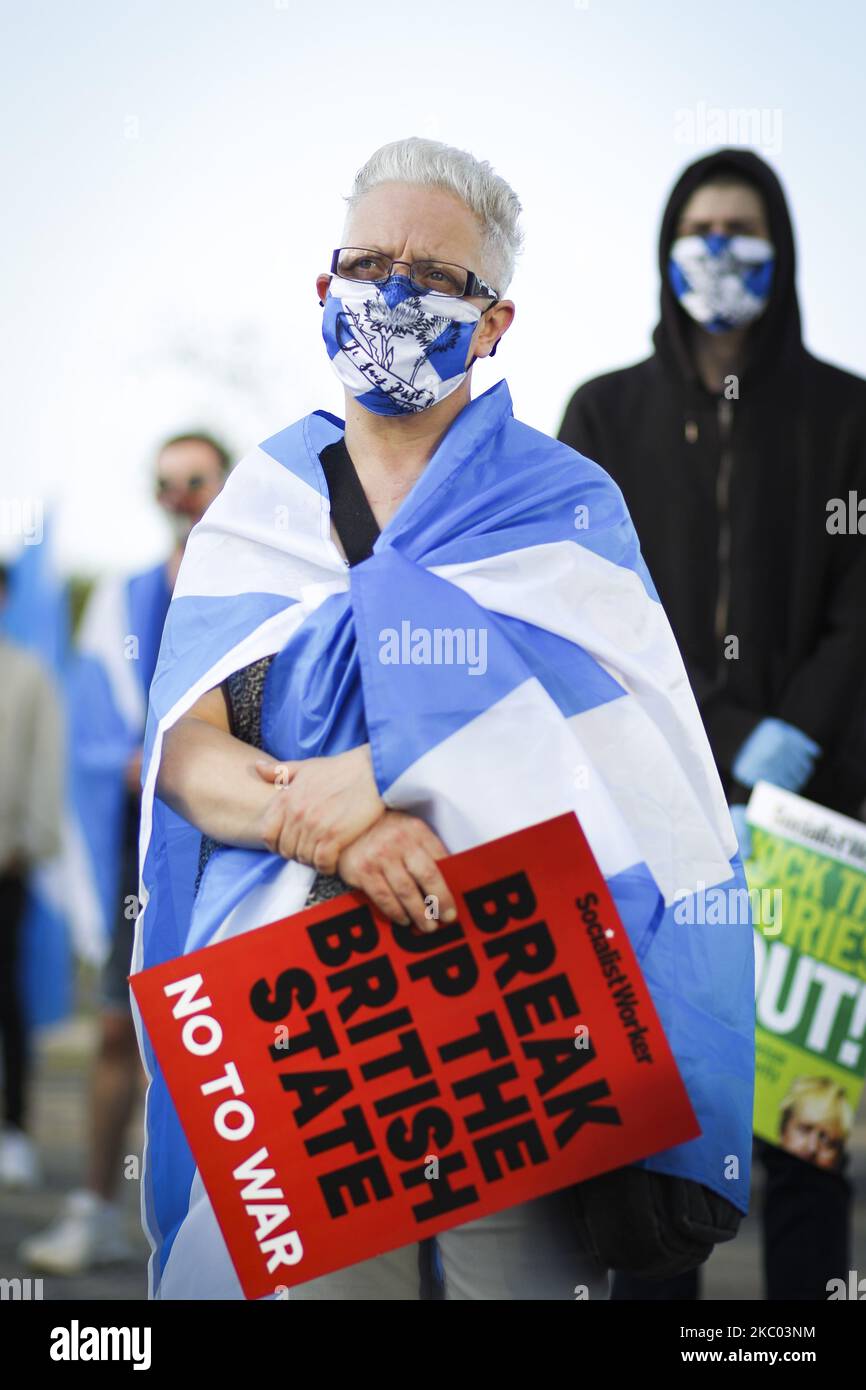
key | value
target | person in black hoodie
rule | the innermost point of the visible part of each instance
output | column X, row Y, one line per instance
column 731, row 443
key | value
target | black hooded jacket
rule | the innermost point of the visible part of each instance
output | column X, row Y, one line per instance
column 730, row 501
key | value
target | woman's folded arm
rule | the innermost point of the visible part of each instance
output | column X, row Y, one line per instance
column 210, row 778
column 322, row 811
column 310, row 810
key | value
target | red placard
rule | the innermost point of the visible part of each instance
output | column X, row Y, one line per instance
column 348, row 1086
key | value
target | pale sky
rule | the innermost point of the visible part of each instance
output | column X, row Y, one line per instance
column 173, row 173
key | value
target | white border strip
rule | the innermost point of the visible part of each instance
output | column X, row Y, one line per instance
column 804, row 822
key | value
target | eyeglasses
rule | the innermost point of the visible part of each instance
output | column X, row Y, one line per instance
column 194, row 483
column 428, row 277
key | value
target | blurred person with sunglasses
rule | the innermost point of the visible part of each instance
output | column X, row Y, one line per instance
column 117, row 650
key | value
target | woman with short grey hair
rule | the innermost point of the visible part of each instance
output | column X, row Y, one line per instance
column 308, row 753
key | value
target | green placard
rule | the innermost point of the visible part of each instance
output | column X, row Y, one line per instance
column 809, row 865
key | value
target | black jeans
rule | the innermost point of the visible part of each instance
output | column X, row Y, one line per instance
column 806, row 1230
column 807, row 1226
column 13, row 896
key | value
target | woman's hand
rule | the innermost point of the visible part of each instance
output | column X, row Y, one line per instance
column 322, row 806
column 394, row 863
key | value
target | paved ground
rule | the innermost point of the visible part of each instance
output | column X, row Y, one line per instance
column 59, row 1118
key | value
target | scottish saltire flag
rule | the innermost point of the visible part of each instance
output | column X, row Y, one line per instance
column 722, row 282
column 37, row 617
column 107, row 690
column 558, row 686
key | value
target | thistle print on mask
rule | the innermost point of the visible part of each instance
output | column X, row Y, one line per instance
column 396, row 351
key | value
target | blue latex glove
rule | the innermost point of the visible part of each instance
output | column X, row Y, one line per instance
column 738, row 816
column 776, row 752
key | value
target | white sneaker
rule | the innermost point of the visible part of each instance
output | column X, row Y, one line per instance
column 19, row 1165
column 88, row 1232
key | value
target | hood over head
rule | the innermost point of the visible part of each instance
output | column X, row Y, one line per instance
column 775, row 339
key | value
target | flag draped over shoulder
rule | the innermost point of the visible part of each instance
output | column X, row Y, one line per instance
column 558, row 686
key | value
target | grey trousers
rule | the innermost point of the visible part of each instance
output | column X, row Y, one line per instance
column 525, row 1252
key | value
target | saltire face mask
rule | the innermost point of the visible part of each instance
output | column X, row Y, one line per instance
column 722, row 282
column 395, row 350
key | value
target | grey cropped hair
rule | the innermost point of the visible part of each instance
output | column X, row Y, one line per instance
column 494, row 202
